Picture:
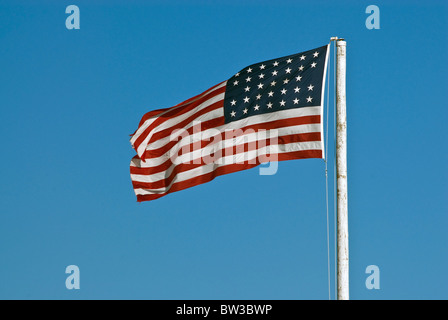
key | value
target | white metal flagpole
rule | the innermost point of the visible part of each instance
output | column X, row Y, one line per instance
column 341, row 171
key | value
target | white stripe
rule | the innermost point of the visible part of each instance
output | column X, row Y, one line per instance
column 149, row 121
column 247, row 137
column 239, row 158
column 251, row 155
column 217, row 113
column 253, row 120
column 175, row 120
column 226, row 159
column 207, row 116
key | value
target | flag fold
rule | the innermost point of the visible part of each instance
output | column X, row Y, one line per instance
column 267, row 112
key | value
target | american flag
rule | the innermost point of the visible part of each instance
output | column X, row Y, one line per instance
column 268, row 111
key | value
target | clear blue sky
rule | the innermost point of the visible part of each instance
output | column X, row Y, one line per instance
column 70, row 98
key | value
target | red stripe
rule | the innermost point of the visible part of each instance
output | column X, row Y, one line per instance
column 148, row 115
column 275, row 124
column 175, row 111
column 183, row 167
column 233, row 150
column 213, row 123
column 155, row 112
column 306, row 154
column 168, row 131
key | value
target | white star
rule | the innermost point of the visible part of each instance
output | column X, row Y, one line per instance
column 284, row 91
column 289, row 60
column 256, row 107
column 269, row 105
column 313, row 65
column 273, row 83
column 261, row 75
column 296, row 101
column 302, row 57
column 249, row 70
column 275, row 63
column 288, row 70
column 237, row 74
column 296, row 89
column 260, row 86
column 315, row 54
column 298, row 78
column 247, row 89
column 301, row 68
column 309, row 99
column 262, row 67
column 282, row 103
column 246, row 99
column 235, row 82
column 245, row 111
column 274, row 73
column 310, row 88
column 233, row 113
column 233, row 102
column 248, row 79
column 270, row 94
column 258, row 96
column 285, row 81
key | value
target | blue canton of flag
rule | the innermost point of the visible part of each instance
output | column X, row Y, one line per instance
column 289, row 82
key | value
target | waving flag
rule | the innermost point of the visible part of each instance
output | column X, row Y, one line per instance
column 268, row 111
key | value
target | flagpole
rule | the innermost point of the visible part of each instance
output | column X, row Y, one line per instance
column 341, row 171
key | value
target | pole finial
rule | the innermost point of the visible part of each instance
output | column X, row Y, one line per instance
column 336, row 39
